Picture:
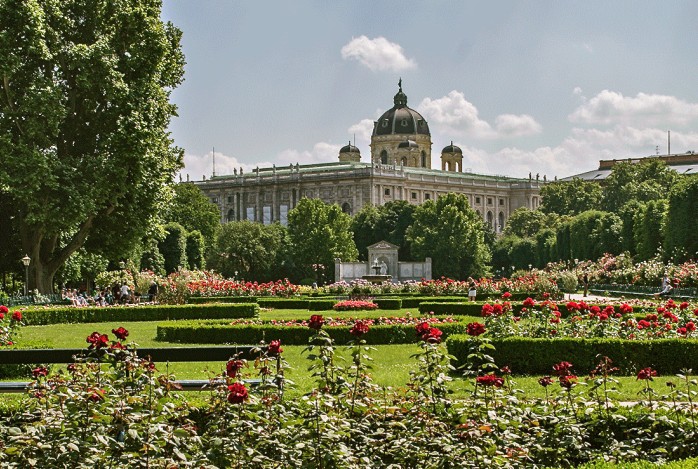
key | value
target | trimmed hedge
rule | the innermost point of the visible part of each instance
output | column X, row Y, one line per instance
column 388, row 303
column 414, row 302
column 216, row 332
column 321, row 305
column 23, row 370
column 537, row 356
column 284, row 303
column 67, row 315
column 198, row 300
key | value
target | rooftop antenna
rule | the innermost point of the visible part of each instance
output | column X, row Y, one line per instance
column 656, row 150
column 668, row 151
column 214, row 161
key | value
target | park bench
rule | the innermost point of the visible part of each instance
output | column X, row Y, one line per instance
column 157, row 355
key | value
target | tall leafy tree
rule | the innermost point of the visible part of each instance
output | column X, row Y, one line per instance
column 452, row 234
column 570, row 197
column 524, row 222
column 681, row 235
column 249, row 250
column 364, row 225
column 320, row 233
column 387, row 222
column 194, row 211
column 174, row 247
column 648, row 231
column 84, row 112
column 644, row 181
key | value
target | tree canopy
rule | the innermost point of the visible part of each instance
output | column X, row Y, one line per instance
column 570, row 197
column 319, row 234
column 84, row 112
column 452, row 234
column 387, row 222
column 644, row 181
column 194, row 211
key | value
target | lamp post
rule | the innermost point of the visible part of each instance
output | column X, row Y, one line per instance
column 26, row 260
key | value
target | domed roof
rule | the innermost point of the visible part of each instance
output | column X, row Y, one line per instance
column 349, row 149
column 401, row 119
column 452, row 149
column 408, row 144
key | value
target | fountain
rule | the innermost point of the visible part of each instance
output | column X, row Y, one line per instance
column 377, row 277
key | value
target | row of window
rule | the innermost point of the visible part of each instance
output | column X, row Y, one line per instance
column 427, row 196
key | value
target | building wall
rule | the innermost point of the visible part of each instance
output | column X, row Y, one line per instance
column 267, row 195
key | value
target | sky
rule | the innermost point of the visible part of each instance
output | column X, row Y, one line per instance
column 548, row 87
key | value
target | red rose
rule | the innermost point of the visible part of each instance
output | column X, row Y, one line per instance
column 233, row 367
column 646, row 373
column 545, row 381
column 506, row 295
column 3, row 309
column 690, row 326
column 490, row 380
column 39, row 371
column 360, row 328
column 529, row 302
column 237, row 393
column 433, row 335
column 486, row 310
column 475, row 329
column 96, row 395
column 274, row 348
column 562, row 368
column 17, row 316
column 683, row 305
column 572, row 306
column 120, row 333
column 97, row 340
column 316, row 322
column 625, row 308
column 567, row 381
column 422, row 328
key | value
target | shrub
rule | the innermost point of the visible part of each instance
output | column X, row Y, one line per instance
column 44, row 316
column 217, row 332
column 537, row 356
column 321, row 305
column 388, row 303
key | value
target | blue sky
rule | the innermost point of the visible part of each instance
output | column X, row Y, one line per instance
column 544, row 86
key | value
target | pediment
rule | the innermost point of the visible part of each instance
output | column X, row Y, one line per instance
column 383, row 245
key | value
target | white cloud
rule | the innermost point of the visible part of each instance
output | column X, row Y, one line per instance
column 517, row 126
column 363, row 130
column 577, row 91
column 322, row 152
column 611, row 108
column 378, row 54
column 455, row 115
column 198, row 166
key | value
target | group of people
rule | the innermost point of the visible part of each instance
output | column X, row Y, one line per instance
column 117, row 294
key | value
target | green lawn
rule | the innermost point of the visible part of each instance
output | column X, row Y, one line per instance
column 391, row 367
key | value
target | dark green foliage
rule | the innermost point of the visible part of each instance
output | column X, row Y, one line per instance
column 593, row 233
column 194, row 211
column 388, row 303
column 84, row 117
column 627, row 214
column 174, row 247
column 455, row 309
column 212, row 332
column 546, row 247
column 44, row 316
column 681, row 233
column 648, row 229
column 525, row 223
column 645, row 181
column 284, row 303
column 24, row 370
column 321, row 305
column 537, row 356
column 199, row 300
column 451, row 233
column 319, row 233
column 387, row 222
column 195, row 246
column 570, row 198
column 151, row 257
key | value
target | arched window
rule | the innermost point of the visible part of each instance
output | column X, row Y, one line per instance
column 500, row 222
column 490, row 218
column 384, row 157
column 424, row 159
column 346, row 208
column 403, row 161
column 231, row 215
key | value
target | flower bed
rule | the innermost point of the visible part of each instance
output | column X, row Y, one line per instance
column 354, row 305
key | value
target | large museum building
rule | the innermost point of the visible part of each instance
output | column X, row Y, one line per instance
column 400, row 169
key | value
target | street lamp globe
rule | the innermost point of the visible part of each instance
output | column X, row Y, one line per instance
column 26, row 260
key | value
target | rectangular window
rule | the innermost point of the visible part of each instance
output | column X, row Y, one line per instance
column 214, row 200
column 266, row 214
column 283, row 215
column 230, row 199
column 427, row 196
column 414, row 195
column 249, row 214
column 501, row 202
column 477, row 200
column 387, row 192
column 489, row 200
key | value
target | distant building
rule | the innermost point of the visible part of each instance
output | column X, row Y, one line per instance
column 400, row 169
column 682, row 163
